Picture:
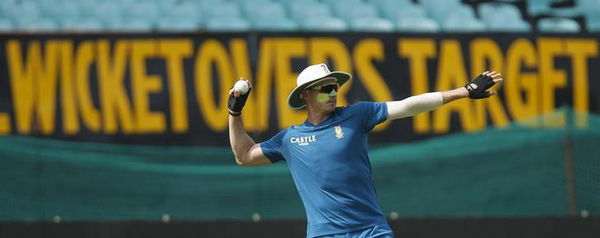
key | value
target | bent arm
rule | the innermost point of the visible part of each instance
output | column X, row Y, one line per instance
column 423, row 103
column 247, row 153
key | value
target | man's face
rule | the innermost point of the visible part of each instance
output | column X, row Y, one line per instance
column 322, row 97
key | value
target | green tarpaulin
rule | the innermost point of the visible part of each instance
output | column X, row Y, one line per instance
column 512, row 171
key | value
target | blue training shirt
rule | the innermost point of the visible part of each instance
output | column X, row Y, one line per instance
column 330, row 166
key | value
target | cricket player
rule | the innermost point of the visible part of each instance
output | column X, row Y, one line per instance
column 328, row 153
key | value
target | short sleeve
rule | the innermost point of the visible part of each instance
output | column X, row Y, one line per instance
column 272, row 147
column 372, row 113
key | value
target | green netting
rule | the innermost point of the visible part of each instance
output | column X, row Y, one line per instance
column 516, row 171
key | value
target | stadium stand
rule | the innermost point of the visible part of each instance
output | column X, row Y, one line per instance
column 292, row 15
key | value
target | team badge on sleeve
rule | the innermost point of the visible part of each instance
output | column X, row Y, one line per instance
column 338, row 132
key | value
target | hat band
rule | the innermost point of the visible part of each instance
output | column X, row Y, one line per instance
column 320, row 80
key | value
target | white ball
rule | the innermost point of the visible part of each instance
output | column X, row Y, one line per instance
column 241, row 86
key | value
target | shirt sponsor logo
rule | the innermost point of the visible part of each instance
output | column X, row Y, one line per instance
column 303, row 140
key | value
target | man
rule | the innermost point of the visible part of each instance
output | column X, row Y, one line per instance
column 327, row 154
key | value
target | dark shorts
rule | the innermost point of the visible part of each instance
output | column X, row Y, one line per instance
column 378, row 231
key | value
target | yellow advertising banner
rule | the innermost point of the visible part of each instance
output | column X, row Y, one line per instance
column 155, row 89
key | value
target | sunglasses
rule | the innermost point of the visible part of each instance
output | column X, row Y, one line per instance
column 326, row 88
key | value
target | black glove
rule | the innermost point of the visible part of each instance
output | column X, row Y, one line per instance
column 483, row 82
column 235, row 104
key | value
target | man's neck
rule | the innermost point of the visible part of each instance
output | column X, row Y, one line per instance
column 316, row 118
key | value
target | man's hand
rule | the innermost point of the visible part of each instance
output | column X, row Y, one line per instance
column 236, row 101
column 478, row 86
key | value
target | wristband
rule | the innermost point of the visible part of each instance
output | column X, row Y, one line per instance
column 235, row 104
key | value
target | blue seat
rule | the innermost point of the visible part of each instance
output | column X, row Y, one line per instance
column 591, row 12
column 147, row 11
column 300, row 11
column 86, row 6
column 164, row 5
column 67, row 21
column 105, row 12
column 439, row 3
column 337, row 3
column 171, row 24
column 593, row 26
column 131, row 24
column 410, row 10
column 348, row 12
column 249, row 6
column 372, row 25
column 498, row 23
column 490, row 9
column 591, row 5
column 502, row 17
column 58, row 11
column 558, row 25
column 457, row 23
column 22, row 12
column 417, row 25
column 6, row 25
column 227, row 24
column 324, row 23
column 266, row 10
column 207, row 5
column 538, row 7
column 543, row 7
column 40, row 24
column 126, row 4
column 288, row 3
column 440, row 14
column 275, row 24
column 46, row 6
column 187, row 10
column 590, row 9
column 391, row 5
column 438, row 8
column 223, row 10
column 87, row 24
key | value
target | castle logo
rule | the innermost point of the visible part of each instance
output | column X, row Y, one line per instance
column 303, row 140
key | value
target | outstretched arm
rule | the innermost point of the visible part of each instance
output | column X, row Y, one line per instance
column 247, row 153
column 414, row 105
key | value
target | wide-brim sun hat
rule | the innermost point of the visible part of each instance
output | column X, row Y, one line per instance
column 310, row 76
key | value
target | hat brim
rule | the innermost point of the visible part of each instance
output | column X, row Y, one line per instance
column 295, row 102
